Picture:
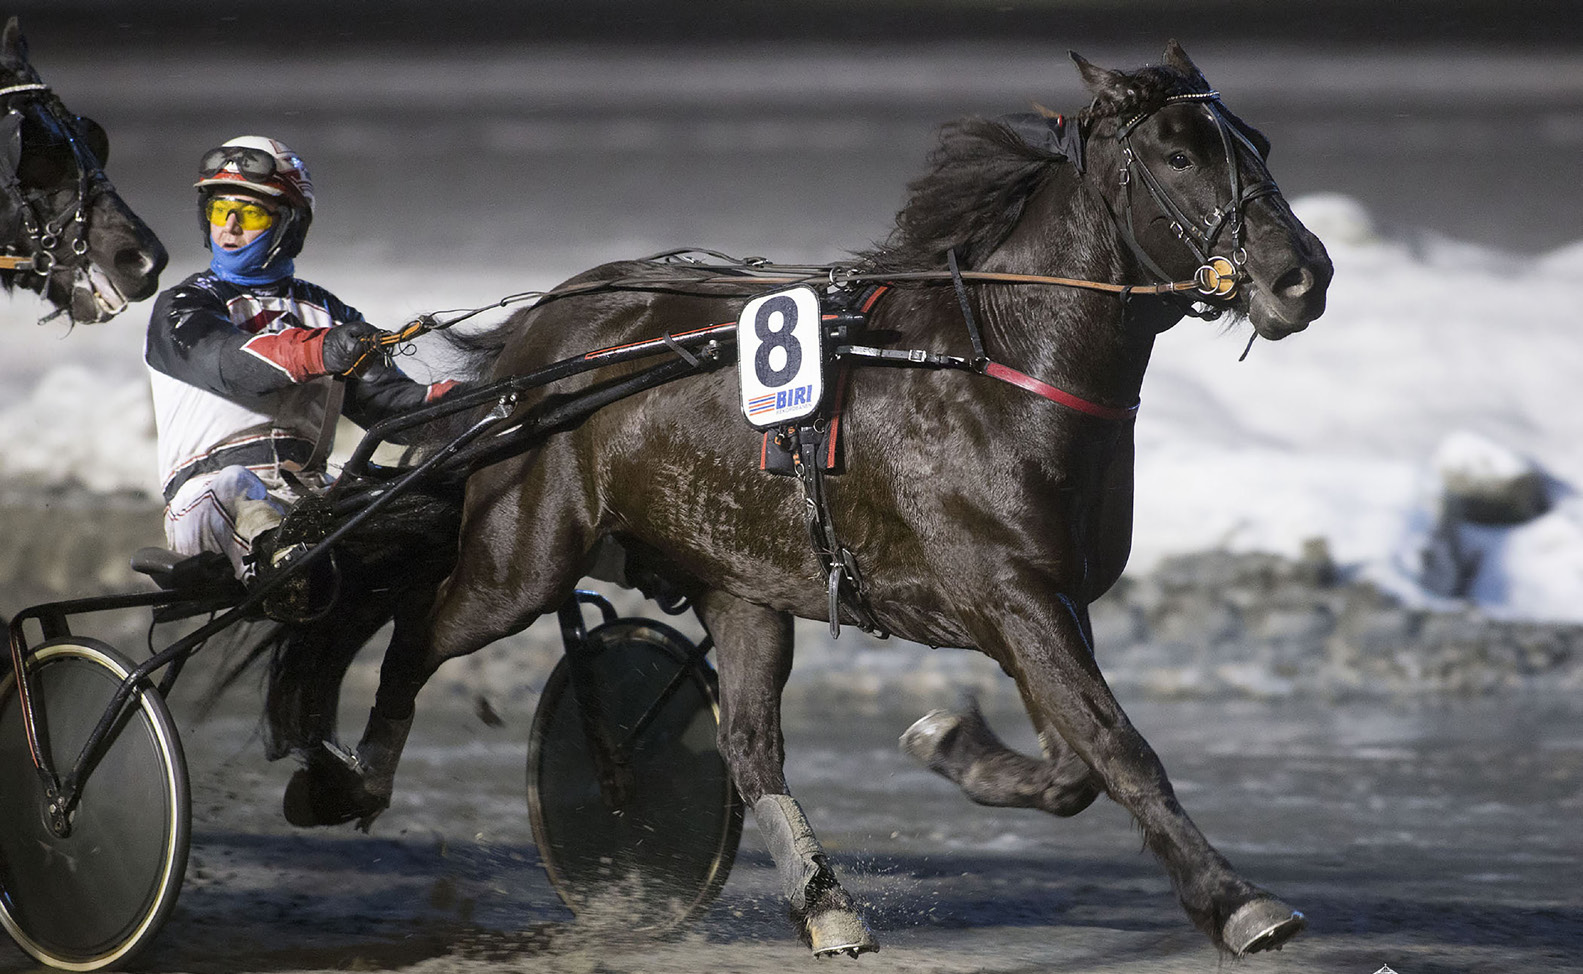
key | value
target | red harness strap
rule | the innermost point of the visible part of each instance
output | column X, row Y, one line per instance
column 1023, row 381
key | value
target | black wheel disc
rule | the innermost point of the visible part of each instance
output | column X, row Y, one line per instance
column 97, row 895
column 660, row 848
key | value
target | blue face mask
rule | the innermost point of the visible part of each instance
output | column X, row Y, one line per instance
column 246, row 266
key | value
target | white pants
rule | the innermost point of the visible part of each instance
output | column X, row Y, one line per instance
column 224, row 511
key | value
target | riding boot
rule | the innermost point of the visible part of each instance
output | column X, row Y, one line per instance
column 306, row 595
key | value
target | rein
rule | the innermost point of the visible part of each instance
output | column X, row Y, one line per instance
column 1210, row 281
column 1217, row 276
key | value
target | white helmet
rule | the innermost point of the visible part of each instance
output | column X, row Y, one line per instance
column 262, row 165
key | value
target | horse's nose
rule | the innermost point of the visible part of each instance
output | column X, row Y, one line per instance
column 137, row 269
column 1304, row 284
column 1297, row 283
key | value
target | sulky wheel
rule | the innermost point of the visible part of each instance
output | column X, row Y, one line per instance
column 650, row 839
column 98, row 894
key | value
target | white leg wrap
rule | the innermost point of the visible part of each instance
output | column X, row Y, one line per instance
column 796, row 850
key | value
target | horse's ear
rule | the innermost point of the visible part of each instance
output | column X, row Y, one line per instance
column 13, row 46
column 1176, row 58
column 1103, row 83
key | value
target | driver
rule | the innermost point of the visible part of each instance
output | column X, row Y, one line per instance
column 252, row 366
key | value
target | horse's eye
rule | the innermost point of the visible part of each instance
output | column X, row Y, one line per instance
column 1178, row 161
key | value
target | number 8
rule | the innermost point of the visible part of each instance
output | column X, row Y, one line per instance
column 772, row 338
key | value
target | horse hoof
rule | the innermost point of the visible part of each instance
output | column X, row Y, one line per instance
column 1261, row 925
column 839, row 932
column 329, row 794
column 926, row 739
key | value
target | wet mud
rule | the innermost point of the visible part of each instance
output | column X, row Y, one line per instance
column 1430, row 832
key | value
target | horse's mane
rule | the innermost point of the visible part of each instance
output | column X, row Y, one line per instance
column 982, row 173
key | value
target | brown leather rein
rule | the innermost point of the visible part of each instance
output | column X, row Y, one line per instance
column 1215, row 279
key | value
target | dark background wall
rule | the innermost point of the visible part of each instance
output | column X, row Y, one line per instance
column 1500, row 23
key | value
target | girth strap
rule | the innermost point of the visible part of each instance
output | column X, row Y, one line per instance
column 844, row 582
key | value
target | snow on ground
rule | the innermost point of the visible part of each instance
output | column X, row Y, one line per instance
column 1332, row 433
column 1329, row 434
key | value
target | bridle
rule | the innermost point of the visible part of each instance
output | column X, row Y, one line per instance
column 1217, row 274
column 55, row 237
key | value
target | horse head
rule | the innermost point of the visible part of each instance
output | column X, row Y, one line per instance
column 78, row 244
column 1191, row 195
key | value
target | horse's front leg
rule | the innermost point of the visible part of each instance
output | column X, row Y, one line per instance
column 754, row 647
column 338, row 785
column 521, row 553
column 1045, row 642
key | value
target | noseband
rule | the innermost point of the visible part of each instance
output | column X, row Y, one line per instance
column 54, row 238
column 1217, row 275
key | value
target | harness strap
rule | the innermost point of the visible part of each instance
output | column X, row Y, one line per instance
column 980, row 360
column 844, row 583
column 1024, row 381
column 982, row 364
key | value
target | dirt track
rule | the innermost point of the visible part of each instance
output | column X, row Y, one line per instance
column 1430, row 836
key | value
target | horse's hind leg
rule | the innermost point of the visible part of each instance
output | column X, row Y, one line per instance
column 336, row 785
column 754, row 645
column 521, row 550
column 959, row 745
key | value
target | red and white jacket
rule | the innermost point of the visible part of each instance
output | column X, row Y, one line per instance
column 238, row 376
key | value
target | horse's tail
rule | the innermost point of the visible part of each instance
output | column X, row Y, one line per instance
column 470, row 353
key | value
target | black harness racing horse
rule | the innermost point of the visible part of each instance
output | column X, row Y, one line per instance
column 64, row 232
column 984, row 514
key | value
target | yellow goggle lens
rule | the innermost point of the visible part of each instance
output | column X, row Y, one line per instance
column 251, row 216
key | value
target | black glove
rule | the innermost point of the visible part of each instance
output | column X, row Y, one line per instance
column 350, row 348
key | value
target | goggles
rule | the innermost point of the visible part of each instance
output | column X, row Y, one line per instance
column 251, row 216
column 250, row 162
